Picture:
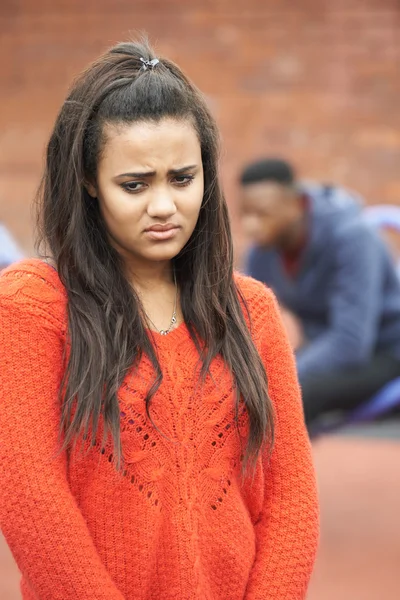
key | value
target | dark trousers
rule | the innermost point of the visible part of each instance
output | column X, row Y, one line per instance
column 347, row 389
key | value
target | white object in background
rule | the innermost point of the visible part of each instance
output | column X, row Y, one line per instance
column 9, row 250
column 384, row 216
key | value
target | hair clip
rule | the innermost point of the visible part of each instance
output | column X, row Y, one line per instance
column 149, row 64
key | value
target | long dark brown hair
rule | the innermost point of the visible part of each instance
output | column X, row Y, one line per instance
column 106, row 331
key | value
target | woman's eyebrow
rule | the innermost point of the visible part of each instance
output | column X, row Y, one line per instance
column 138, row 174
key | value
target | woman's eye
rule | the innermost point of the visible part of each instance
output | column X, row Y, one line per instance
column 183, row 180
column 133, row 186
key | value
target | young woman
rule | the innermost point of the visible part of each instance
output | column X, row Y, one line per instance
column 143, row 455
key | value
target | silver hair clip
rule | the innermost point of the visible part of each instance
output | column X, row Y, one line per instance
column 149, row 64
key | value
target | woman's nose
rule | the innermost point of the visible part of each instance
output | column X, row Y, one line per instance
column 161, row 204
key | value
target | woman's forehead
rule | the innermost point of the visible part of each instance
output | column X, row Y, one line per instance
column 151, row 144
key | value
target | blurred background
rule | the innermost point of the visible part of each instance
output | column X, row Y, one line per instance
column 314, row 81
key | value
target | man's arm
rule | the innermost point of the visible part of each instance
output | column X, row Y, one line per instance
column 354, row 312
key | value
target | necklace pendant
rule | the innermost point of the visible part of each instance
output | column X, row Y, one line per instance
column 173, row 319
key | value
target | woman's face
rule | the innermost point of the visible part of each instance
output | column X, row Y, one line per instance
column 150, row 188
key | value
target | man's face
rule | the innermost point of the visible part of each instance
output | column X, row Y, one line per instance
column 268, row 212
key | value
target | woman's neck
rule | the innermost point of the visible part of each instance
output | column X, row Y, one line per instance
column 157, row 290
column 150, row 276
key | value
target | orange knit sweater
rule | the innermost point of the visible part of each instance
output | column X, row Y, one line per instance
column 179, row 523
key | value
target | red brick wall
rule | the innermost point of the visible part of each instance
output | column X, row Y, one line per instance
column 317, row 81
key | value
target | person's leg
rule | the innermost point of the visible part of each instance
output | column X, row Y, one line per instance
column 344, row 390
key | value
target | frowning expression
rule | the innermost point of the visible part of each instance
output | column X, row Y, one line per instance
column 150, row 187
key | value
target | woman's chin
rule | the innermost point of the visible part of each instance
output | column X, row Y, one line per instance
column 162, row 252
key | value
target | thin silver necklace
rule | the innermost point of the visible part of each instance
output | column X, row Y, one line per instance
column 173, row 318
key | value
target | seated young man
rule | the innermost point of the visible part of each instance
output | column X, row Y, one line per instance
column 334, row 278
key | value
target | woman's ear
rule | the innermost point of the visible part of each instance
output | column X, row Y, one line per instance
column 91, row 189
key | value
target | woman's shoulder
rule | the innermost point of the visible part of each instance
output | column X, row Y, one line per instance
column 34, row 286
column 253, row 291
column 259, row 300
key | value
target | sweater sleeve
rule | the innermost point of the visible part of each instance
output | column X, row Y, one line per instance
column 288, row 530
column 354, row 309
column 39, row 516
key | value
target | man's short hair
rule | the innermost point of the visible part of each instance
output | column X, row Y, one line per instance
column 271, row 169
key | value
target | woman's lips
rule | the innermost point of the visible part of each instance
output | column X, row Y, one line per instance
column 162, row 233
